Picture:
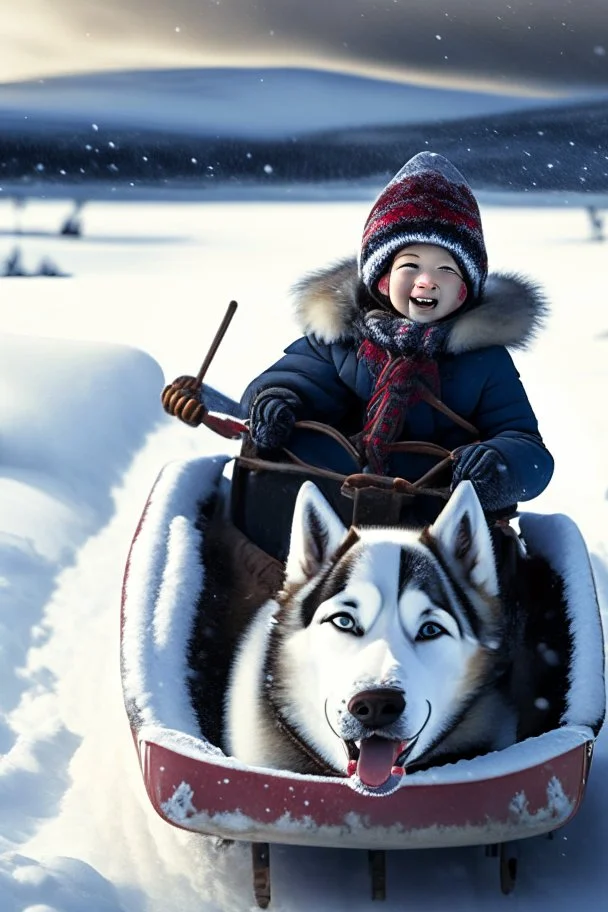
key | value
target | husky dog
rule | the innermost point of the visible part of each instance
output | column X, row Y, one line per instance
column 386, row 647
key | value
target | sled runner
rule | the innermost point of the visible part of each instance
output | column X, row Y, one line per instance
column 208, row 552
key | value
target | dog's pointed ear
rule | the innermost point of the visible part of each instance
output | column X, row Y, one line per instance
column 462, row 533
column 316, row 534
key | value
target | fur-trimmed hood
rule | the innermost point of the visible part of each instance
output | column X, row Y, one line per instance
column 510, row 311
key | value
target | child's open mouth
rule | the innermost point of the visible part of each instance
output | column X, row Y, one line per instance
column 424, row 303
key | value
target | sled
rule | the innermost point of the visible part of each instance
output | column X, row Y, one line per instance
column 174, row 659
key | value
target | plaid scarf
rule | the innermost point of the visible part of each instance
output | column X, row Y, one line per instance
column 402, row 358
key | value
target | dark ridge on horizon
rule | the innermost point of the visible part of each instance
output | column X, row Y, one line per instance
column 557, row 148
column 162, row 77
column 262, row 101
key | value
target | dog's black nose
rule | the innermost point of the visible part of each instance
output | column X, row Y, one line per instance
column 375, row 708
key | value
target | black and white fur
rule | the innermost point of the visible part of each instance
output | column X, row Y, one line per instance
column 386, row 641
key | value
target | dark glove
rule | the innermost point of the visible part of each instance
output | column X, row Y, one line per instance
column 272, row 417
column 485, row 468
column 182, row 399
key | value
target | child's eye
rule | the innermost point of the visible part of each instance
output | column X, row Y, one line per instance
column 407, row 266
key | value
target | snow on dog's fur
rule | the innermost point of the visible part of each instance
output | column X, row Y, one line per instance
column 386, row 646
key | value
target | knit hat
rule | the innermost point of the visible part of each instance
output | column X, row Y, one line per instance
column 427, row 202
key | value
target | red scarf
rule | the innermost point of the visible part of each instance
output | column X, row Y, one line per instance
column 399, row 380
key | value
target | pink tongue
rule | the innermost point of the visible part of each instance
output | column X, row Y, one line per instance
column 376, row 760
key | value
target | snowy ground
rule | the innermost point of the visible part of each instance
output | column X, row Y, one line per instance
column 82, row 437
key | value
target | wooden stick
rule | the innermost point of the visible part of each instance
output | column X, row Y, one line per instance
column 230, row 312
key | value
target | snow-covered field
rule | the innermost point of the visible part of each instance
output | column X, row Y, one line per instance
column 82, row 438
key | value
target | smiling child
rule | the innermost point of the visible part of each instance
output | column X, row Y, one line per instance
column 416, row 314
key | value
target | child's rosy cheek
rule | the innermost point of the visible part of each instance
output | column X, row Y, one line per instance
column 383, row 285
column 462, row 293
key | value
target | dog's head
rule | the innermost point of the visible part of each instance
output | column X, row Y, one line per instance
column 384, row 637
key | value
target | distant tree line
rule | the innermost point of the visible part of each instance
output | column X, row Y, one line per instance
column 559, row 148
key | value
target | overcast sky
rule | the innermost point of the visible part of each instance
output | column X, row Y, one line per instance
column 536, row 45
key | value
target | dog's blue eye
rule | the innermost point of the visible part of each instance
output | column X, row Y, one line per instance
column 342, row 621
column 430, row 631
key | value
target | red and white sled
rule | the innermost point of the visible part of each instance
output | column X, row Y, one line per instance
column 528, row 789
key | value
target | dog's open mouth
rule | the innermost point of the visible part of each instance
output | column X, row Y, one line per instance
column 373, row 759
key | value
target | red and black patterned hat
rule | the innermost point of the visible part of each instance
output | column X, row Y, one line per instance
column 427, row 202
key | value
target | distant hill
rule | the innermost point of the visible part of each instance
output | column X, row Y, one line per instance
column 243, row 103
column 197, row 128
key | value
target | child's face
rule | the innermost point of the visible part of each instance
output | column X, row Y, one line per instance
column 424, row 283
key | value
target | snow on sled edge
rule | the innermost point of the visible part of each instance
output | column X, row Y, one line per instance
column 527, row 789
